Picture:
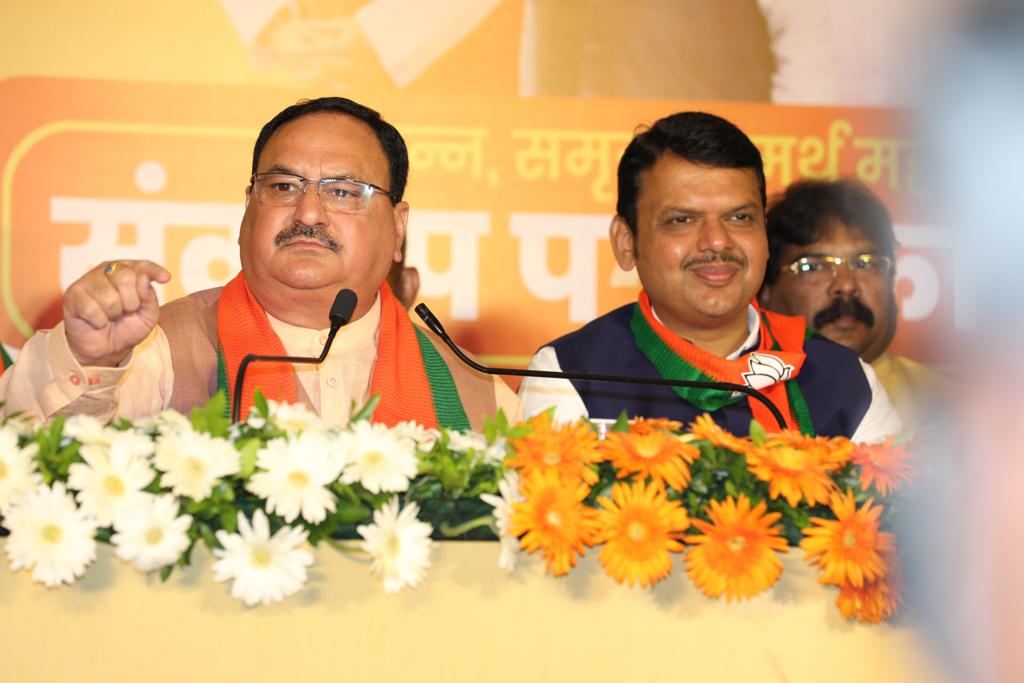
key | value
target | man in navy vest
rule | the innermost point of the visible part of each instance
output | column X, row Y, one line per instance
column 690, row 219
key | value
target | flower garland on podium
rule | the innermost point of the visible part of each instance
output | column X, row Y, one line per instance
column 260, row 493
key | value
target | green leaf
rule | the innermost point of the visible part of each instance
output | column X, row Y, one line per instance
column 228, row 520
column 216, row 423
column 519, row 432
column 247, row 450
column 906, row 436
column 165, row 573
column 366, row 412
column 757, row 434
column 206, row 533
column 351, row 513
column 198, row 420
column 621, row 423
column 493, row 428
column 730, row 488
column 260, row 401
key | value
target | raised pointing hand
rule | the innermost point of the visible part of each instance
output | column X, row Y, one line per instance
column 110, row 309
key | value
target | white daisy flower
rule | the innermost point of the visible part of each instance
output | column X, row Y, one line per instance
column 18, row 471
column 508, row 487
column 110, row 481
column 294, row 472
column 166, row 421
column 193, row 462
column 51, row 535
column 23, row 425
column 86, row 429
column 398, row 544
column 489, row 454
column 152, row 535
column 90, row 431
column 423, row 438
column 464, row 442
column 264, row 568
column 377, row 458
column 293, row 417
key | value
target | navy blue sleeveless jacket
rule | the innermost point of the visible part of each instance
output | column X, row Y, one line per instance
column 832, row 380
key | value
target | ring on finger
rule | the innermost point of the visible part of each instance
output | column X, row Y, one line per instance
column 110, row 268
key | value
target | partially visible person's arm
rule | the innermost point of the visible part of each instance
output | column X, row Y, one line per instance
column 47, row 379
column 881, row 420
column 109, row 325
column 538, row 394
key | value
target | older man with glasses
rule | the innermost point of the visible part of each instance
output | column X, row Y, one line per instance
column 832, row 261
column 323, row 212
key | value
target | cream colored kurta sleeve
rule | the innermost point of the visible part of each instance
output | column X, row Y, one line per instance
column 47, row 379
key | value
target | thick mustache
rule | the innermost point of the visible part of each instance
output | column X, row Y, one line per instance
column 844, row 306
column 317, row 232
column 714, row 258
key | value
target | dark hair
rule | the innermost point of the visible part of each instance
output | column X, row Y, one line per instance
column 699, row 138
column 390, row 139
column 808, row 207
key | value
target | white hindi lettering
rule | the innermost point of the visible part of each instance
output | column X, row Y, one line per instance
column 150, row 219
column 461, row 280
column 923, row 274
column 578, row 284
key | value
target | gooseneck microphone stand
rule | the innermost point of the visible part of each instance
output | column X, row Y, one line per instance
column 340, row 313
column 435, row 326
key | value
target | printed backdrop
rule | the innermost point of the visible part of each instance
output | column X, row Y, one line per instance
column 127, row 132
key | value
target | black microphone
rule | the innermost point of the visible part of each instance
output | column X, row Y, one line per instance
column 435, row 326
column 341, row 312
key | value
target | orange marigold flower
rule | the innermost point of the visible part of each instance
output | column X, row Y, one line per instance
column 639, row 526
column 553, row 519
column 875, row 602
column 645, row 425
column 849, row 548
column 570, row 450
column 798, row 467
column 705, row 428
column 883, row 465
column 736, row 554
column 655, row 454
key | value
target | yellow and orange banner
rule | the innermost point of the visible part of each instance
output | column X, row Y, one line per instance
column 511, row 191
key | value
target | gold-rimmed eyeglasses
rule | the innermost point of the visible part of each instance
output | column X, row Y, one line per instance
column 821, row 267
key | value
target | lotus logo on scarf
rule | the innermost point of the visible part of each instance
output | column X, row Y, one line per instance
column 765, row 370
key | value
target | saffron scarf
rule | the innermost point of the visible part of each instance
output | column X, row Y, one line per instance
column 413, row 381
column 771, row 368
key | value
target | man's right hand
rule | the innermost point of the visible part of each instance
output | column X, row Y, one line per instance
column 110, row 309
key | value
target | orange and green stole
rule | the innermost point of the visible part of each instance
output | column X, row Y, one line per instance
column 411, row 377
column 771, row 368
column 5, row 360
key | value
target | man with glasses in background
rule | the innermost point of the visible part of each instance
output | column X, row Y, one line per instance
column 832, row 255
column 323, row 212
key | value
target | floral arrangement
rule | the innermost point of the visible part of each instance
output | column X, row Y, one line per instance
column 639, row 490
column 259, row 493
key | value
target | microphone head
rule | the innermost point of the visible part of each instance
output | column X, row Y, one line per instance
column 343, row 308
column 430, row 320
